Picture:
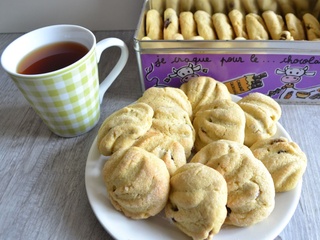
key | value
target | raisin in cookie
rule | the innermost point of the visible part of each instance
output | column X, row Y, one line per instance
column 262, row 115
column 284, row 160
column 197, row 200
column 137, row 182
column 251, row 193
column 123, row 127
column 222, row 119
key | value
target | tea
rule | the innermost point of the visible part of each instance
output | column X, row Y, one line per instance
column 51, row 57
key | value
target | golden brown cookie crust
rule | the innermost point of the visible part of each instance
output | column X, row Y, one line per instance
column 123, row 127
column 221, row 119
column 137, row 182
column 197, row 200
column 284, row 160
column 251, row 193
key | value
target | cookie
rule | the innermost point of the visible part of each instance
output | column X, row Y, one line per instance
column 188, row 25
column 154, row 25
column 171, row 24
column 137, row 182
column 203, row 5
column 218, row 6
column 265, row 5
column 284, row 160
column 275, row 24
column 123, row 127
column 165, row 148
column 175, row 124
column 238, row 23
column 235, row 5
column 186, row 5
column 286, row 7
column 251, row 193
column 174, row 4
column 197, row 200
column 256, row 28
column 204, row 90
column 250, row 6
column 312, row 26
column 204, row 25
column 168, row 97
column 222, row 26
column 221, row 119
column 295, row 27
column 262, row 115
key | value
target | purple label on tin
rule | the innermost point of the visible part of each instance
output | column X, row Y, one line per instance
column 292, row 77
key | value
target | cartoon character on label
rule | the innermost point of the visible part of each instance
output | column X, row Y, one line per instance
column 185, row 73
column 290, row 77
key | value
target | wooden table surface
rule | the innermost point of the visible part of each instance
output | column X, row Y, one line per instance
column 42, row 188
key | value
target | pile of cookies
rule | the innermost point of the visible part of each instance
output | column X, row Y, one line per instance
column 203, row 158
column 232, row 20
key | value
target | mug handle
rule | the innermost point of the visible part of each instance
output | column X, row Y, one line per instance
column 101, row 46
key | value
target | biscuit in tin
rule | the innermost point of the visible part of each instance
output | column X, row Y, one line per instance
column 204, row 25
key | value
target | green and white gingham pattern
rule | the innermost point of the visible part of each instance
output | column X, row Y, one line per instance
column 67, row 102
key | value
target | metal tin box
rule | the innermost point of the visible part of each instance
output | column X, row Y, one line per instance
column 288, row 71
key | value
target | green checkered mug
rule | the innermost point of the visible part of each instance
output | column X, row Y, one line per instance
column 68, row 99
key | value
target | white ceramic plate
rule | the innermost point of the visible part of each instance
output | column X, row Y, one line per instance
column 159, row 228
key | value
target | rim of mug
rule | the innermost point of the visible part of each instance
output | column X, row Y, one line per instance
column 33, row 76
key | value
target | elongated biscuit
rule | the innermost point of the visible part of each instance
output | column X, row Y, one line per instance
column 295, row 27
column 203, row 5
column 222, row 26
column 158, row 5
column 171, row 24
column 250, row 6
column 154, row 25
column 235, row 4
column 275, row 24
column 188, row 25
column 174, row 4
column 266, row 5
column 218, row 6
column 186, row 5
column 312, row 26
column 204, row 25
column 286, row 6
column 256, row 27
column 238, row 23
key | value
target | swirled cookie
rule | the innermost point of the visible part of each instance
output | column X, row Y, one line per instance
column 176, row 124
column 123, row 127
column 164, row 147
column 137, row 182
column 221, row 119
column 204, row 90
column 284, row 160
column 251, row 193
column 262, row 115
column 167, row 97
column 197, row 200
